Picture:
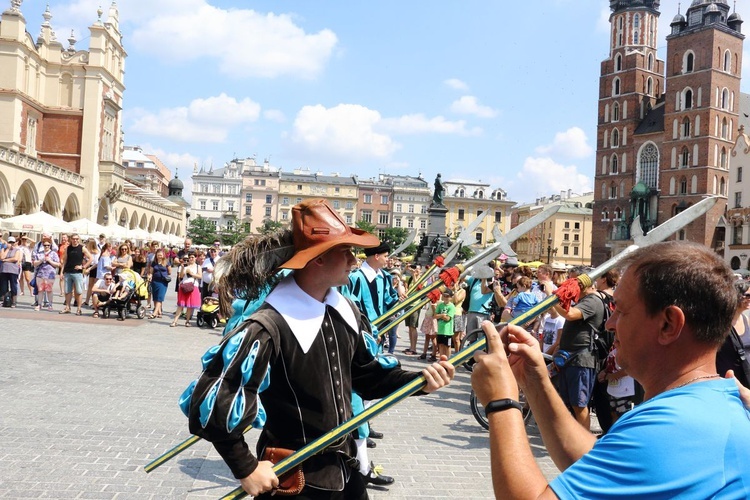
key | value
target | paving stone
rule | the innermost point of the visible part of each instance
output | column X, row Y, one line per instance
column 94, row 400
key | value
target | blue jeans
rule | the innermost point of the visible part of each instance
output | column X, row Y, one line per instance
column 392, row 337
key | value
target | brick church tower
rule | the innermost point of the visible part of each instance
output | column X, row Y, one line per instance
column 664, row 138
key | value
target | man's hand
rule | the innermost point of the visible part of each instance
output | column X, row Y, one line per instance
column 438, row 374
column 744, row 391
column 492, row 377
column 262, row 479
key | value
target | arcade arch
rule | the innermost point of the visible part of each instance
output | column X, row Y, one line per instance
column 27, row 199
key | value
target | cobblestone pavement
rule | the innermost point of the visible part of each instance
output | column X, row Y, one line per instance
column 86, row 403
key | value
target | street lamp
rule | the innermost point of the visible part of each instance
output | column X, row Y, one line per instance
column 549, row 249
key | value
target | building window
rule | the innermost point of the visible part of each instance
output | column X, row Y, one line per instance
column 724, row 99
column 618, row 62
column 687, row 99
column 738, row 199
column 566, row 225
column 230, row 206
column 737, row 235
column 683, row 185
column 203, row 204
column 269, row 198
column 498, row 217
column 615, row 138
column 31, row 137
column 336, row 189
column 259, row 182
column 411, row 209
column 575, row 250
column 348, row 219
column 723, row 158
column 614, row 165
column 616, row 87
column 565, row 250
column 285, row 201
column 367, row 215
column 215, row 205
column 576, row 237
column 284, row 215
column 649, row 165
column 248, row 197
column 410, row 223
column 248, row 209
column 686, row 127
column 422, row 224
column 383, row 199
column 689, row 62
column 727, row 61
column 397, row 221
column 399, row 207
column 299, row 187
column 268, row 212
column 739, row 174
column 383, row 217
column 577, row 225
column 350, row 205
column 615, row 112
column 215, row 223
column 336, row 204
column 685, row 158
column 460, row 214
column 368, row 199
column 613, row 191
column 424, row 209
column 297, row 201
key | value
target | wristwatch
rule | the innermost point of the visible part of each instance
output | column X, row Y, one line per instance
column 502, row 405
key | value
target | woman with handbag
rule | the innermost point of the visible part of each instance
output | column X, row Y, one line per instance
column 188, row 293
column 160, row 273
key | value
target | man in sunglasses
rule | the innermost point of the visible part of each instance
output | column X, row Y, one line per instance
column 102, row 292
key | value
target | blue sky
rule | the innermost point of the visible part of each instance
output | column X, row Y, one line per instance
column 503, row 92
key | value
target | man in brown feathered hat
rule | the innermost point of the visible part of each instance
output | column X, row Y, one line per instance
column 292, row 367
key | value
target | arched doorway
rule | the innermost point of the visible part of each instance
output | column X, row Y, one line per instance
column 72, row 211
column 133, row 221
column 27, row 200
column 51, row 203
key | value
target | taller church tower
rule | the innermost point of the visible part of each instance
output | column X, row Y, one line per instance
column 674, row 149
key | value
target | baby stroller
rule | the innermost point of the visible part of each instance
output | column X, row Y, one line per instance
column 127, row 297
column 208, row 313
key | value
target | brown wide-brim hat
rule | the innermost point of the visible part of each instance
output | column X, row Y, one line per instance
column 316, row 228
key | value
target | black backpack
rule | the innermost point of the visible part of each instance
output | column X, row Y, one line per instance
column 601, row 338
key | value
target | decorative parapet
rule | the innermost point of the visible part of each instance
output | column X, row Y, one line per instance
column 40, row 167
column 140, row 202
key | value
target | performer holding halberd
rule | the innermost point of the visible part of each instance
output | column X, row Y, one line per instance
column 292, row 366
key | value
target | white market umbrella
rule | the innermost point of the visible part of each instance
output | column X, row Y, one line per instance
column 139, row 234
column 39, row 222
column 117, row 232
column 88, row 227
column 160, row 237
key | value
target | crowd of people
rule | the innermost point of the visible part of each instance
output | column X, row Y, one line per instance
column 87, row 274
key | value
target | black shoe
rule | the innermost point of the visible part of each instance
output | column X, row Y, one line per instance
column 375, row 434
column 374, row 477
column 371, row 443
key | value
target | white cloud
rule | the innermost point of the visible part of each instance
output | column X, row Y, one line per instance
column 456, row 84
column 243, row 42
column 469, row 105
column 203, row 120
column 274, row 115
column 572, row 144
column 344, row 132
column 420, row 124
column 544, row 176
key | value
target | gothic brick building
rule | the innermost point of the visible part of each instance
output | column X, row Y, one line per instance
column 665, row 129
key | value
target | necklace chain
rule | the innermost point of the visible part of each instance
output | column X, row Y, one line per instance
column 715, row 375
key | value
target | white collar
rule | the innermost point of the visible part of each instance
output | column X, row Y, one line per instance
column 369, row 272
column 304, row 314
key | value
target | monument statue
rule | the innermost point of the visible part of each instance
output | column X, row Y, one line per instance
column 437, row 197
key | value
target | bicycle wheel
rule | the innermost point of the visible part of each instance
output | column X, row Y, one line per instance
column 477, row 409
column 469, row 339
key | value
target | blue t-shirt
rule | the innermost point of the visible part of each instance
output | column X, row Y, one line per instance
column 690, row 442
column 522, row 303
column 478, row 302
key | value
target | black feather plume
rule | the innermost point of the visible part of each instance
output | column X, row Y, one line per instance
column 251, row 266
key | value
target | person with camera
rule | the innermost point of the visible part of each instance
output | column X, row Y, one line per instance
column 188, row 291
column 577, row 374
column 10, row 268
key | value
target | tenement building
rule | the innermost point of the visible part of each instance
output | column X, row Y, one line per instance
column 466, row 199
column 665, row 128
column 60, row 129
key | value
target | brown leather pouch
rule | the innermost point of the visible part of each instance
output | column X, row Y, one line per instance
column 290, row 483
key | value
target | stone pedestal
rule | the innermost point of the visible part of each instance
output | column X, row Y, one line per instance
column 435, row 241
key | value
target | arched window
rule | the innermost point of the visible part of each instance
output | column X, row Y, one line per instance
column 615, row 112
column 689, row 62
column 635, row 38
column 649, row 86
column 605, row 214
column 613, row 191
column 685, row 158
column 723, row 159
column 650, row 62
column 727, row 61
column 615, row 138
column 724, row 99
column 723, row 187
column 686, row 127
column 616, row 87
column 613, row 165
column 648, row 165
column 724, row 127
column 618, row 213
column 687, row 102
column 618, row 62
column 637, row 21
column 683, row 185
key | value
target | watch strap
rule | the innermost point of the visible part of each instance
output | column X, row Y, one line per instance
column 502, row 405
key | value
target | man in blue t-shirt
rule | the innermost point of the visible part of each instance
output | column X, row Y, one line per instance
column 688, row 439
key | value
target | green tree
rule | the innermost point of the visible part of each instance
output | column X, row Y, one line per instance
column 202, row 231
column 234, row 231
column 269, row 226
column 465, row 252
column 394, row 236
column 365, row 226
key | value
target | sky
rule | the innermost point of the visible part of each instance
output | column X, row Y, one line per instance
column 493, row 91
